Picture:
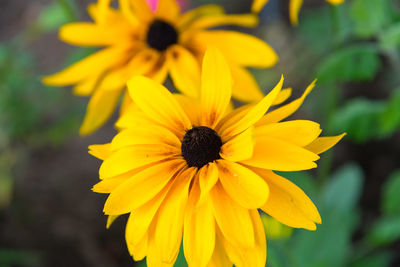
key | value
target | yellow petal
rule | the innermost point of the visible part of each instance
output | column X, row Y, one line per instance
column 125, row 103
column 103, row 14
column 160, row 71
column 141, row 9
column 245, row 87
column 141, row 218
column 133, row 157
column 141, row 188
column 294, row 9
column 216, row 86
column 286, row 110
column 219, row 257
column 274, row 154
column 253, row 115
column 100, row 151
column 159, row 104
column 133, row 117
column 140, row 64
column 87, row 86
column 139, row 250
column 242, row 185
column 322, row 144
column 239, row 147
column 102, row 8
column 184, row 70
column 169, row 228
column 236, row 48
column 287, row 203
column 100, row 108
column 146, row 134
column 255, row 256
column 232, row 117
column 247, row 20
column 154, row 258
column 335, row 2
column 204, row 10
column 208, row 177
column 257, row 5
column 233, row 220
column 110, row 220
column 168, row 10
column 110, row 184
column 297, row 132
column 126, row 10
column 91, row 34
column 191, row 106
column 283, row 96
column 199, row 230
column 77, row 72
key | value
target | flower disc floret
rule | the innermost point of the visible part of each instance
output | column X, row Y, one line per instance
column 161, row 35
column 201, row 145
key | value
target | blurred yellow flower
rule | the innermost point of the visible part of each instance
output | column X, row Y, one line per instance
column 294, row 8
column 274, row 229
column 138, row 41
column 191, row 168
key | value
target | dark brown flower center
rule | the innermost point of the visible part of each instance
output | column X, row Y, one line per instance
column 161, row 35
column 200, row 145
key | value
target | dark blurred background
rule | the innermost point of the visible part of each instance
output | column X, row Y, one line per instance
column 50, row 217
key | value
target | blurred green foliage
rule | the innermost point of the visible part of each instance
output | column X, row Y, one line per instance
column 31, row 115
column 10, row 258
column 354, row 42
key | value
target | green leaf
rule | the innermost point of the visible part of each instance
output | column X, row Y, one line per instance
column 390, row 117
column 385, row 231
column 330, row 244
column 355, row 63
column 391, row 195
column 316, row 28
column 359, row 118
column 381, row 259
column 344, row 188
column 277, row 253
column 6, row 189
column 390, row 38
column 370, row 16
column 9, row 257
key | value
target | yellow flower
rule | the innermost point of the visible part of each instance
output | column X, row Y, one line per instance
column 274, row 229
column 137, row 41
column 294, row 8
column 193, row 169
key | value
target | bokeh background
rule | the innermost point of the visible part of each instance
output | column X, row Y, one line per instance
column 50, row 217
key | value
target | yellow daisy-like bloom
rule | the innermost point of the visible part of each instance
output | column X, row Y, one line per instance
column 192, row 169
column 294, row 8
column 138, row 41
column 275, row 229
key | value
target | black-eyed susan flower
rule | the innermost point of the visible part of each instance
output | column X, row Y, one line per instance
column 294, row 8
column 156, row 44
column 193, row 170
